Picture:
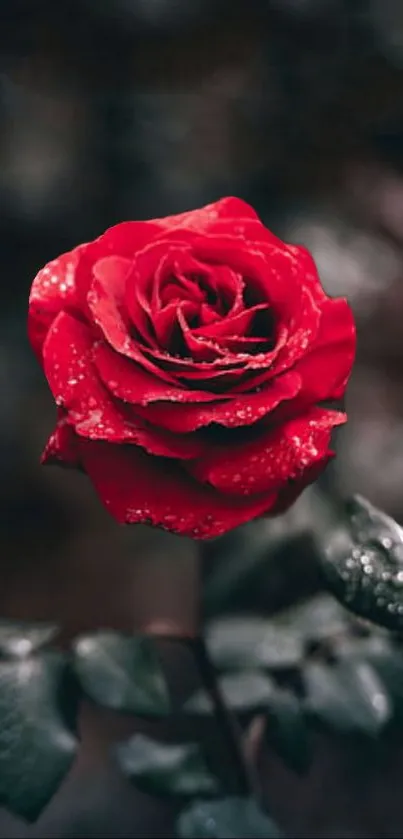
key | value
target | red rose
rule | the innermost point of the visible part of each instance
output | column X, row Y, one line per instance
column 188, row 357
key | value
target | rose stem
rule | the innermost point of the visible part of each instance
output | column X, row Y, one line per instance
column 170, row 587
column 226, row 721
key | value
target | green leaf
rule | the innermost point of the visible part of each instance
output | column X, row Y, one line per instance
column 348, row 696
column 317, row 619
column 122, row 673
column 246, row 559
column 36, row 747
column 385, row 658
column 249, row 642
column 245, row 692
column 166, row 769
column 287, row 731
column 362, row 560
column 20, row 640
column 228, row 818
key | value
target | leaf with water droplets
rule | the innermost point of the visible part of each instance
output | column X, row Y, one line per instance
column 385, row 657
column 348, row 696
column 228, row 818
column 244, row 692
column 317, row 619
column 36, row 747
column 122, row 673
column 20, row 640
column 248, row 642
column 166, row 768
column 363, row 564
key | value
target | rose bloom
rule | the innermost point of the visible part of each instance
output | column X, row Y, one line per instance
column 189, row 357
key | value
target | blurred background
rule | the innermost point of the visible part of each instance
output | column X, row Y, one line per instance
column 128, row 109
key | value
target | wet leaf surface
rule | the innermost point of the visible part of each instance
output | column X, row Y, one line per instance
column 244, row 692
column 36, row 747
column 166, row 769
column 20, row 640
column 228, row 818
column 363, row 563
column 122, row 673
column 348, row 696
column 250, row 642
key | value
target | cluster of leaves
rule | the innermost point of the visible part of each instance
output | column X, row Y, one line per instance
column 40, row 693
column 314, row 665
column 307, row 665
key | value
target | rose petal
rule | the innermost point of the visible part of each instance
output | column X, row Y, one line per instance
column 201, row 349
column 276, row 456
column 164, row 266
column 142, row 293
column 53, row 289
column 74, row 382
column 308, row 272
column 76, row 386
column 302, row 333
column 136, row 487
column 241, row 411
column 326, row 368
column 294, row 488
column 166, row 323
column 127, row 380
column 105, row 300
column 233, row 326
column 64, row 282
column 62, row 446
column 201, row 219
column 128, row 237
column 251, row 230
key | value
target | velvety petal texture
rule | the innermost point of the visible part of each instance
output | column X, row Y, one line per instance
column 189, row 358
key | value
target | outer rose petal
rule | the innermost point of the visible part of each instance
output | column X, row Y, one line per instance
column 64, row 282
column 62, row 446
column 293, row 489
column 122, row 240
column 326, row 368
column 306, row 268
column 201, row 220
column 54, row 288
column 138, row 488
column 269, row 462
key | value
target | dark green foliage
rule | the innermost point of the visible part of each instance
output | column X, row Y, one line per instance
column 36, row 746
column 166, row 769
column 250, row 642
column 363, row 564
column 245, row 691
column 315, row 621
column 263, row 562
column 19, row 640
column 123, row 673
column 347, row 696
column 385, row 656
column 312, row 663
column 228, row 818
column 287, row 732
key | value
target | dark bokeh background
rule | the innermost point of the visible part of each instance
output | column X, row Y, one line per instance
column 115, row 109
